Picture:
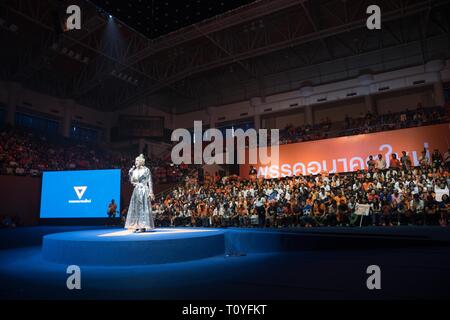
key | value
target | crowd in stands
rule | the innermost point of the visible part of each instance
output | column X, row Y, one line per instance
column 292, row 134
column 367, row 123
column 26, row 152
column 399, row 194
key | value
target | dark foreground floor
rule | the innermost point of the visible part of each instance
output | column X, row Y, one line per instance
column 419, row 270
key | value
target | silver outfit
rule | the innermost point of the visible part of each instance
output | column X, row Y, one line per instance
column 140, row 214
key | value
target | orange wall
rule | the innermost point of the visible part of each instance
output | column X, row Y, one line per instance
column 350, row 153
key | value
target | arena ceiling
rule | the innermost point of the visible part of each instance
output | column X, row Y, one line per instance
column 223, row 55
column 155, row 18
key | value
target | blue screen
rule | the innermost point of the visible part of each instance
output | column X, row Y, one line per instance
column 79, row 194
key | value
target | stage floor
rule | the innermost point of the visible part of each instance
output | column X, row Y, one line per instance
column 326, row 263
column 123, row 247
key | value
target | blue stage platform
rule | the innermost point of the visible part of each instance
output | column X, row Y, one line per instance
column 121, row 247
column 196, row 263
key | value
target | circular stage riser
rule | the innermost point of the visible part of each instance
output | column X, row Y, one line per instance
column 122, row 248
column 72, row 250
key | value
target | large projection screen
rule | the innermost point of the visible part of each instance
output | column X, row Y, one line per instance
column 79, row 194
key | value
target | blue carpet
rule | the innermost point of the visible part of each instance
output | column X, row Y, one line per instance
column 419, row 268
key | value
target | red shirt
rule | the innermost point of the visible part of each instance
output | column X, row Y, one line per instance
column 395, row 163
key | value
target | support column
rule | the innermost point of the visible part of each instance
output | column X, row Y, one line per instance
column 68, row 106
column 435, row 67
column 171, row 122
column 257, row 121
column 212, row 116
column 309, row 117
column 365, row 80
column 108, row 126
column 255, row 103
column 438, row 92
column 369, row 101
column 14, row 94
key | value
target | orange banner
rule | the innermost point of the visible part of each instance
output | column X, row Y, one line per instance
column 351, row 153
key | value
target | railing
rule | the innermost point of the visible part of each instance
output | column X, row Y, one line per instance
column 384, row 123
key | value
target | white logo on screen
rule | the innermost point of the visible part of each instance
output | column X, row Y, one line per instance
column 80, row 190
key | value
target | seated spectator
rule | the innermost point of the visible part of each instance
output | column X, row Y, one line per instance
column 436, row 158
column 430, row 212
column 424, row 160
column 417, row 207
column 444, row 210
column 8, row 222
column 447, row 159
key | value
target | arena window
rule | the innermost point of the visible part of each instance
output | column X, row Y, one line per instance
column 36, row 122
column 80, row 132
column 236, row 125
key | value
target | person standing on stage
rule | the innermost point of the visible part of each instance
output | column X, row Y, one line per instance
column 140, row 216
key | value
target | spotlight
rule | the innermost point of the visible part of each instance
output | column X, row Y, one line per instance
column 110, row 16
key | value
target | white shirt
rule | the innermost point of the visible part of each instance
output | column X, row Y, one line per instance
column 380, row 164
